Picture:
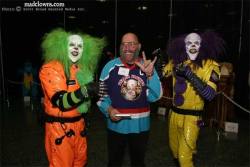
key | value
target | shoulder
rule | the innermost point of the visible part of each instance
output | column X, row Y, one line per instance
column 114, row 61
column 167, row 69
column 210, row 62
column 52, row 66
column 112, row 64
column 211, row 66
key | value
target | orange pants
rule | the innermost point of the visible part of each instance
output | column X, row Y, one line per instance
column 72, row 152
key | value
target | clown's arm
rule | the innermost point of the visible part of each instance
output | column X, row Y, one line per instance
column 206, row 89
column 55, row 86
column 67, row 100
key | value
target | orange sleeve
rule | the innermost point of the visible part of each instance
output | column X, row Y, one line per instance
column 52, row 79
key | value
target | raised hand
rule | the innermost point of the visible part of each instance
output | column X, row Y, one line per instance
column 147, row 66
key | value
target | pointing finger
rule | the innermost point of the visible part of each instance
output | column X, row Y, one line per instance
column 143, row 56
column 153, row 62
column 140, row 65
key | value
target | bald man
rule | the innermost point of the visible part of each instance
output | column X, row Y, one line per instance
column 132, row 84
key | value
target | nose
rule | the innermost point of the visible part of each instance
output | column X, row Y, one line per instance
column 126, row 47
column 76, row 48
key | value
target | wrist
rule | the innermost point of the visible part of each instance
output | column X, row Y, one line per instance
column 149, row 75
column 110, row 108
column 84, row 91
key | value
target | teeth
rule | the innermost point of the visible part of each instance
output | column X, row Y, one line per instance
column 74, row 53
column 192, row 50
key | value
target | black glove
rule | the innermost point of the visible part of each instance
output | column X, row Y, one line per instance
column 94, row 88
column 182, row 70
column 200, row 86
column 185, row 71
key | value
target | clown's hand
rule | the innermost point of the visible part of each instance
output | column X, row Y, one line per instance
column 147, row 66
column 93, row 89
column 197, row 83
column 182, row 70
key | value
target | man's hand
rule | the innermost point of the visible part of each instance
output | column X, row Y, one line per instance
column 112, row 112
column 147, row 66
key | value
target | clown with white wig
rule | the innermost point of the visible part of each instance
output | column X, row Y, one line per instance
column 67, row 82
column 195, row 75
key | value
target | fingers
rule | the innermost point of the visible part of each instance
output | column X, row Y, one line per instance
column 150, row 68
column 112, row 113
column 141, row 66
column 153, row 62
column 144, row 56
column 147, row 65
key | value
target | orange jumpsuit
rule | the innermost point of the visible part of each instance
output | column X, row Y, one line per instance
column 73, row 150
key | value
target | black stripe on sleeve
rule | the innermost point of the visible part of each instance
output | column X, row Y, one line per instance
column 57, row 96
column 70, row 100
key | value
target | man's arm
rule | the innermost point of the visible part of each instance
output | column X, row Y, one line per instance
column 154, row 91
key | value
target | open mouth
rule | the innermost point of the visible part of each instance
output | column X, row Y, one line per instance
column 74, row 53
column 193, row 51
column 128, row 53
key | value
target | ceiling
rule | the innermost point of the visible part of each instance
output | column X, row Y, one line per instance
column 162, row 20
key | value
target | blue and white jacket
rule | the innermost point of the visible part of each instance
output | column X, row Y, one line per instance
column 129, row 91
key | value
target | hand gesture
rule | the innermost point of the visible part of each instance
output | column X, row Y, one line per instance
column 147, row 66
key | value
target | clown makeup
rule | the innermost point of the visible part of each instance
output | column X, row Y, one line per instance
column 129, row 48
column 75, row 47
column 193, row 43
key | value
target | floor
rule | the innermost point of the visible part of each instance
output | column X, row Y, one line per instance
column 22, row 142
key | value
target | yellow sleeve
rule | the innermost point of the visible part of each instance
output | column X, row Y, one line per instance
column 213, row 73
column 167, row 70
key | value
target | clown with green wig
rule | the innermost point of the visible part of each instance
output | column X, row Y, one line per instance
column 70, row 61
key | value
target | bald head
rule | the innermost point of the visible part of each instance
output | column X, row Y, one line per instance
column 128, row 37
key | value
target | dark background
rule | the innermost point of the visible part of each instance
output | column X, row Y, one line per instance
column 21, row 32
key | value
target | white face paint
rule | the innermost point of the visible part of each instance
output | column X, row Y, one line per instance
column 193, row 43
column 75, row 47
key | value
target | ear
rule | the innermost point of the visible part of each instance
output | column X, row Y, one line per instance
column 139, row 46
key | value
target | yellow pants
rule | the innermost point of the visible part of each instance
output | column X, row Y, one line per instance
column 183, row 134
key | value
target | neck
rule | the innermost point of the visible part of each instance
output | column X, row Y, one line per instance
column 131, row 62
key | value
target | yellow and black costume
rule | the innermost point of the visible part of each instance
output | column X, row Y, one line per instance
column 194, row 81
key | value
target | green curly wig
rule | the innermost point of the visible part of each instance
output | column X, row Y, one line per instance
column 55, row 47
